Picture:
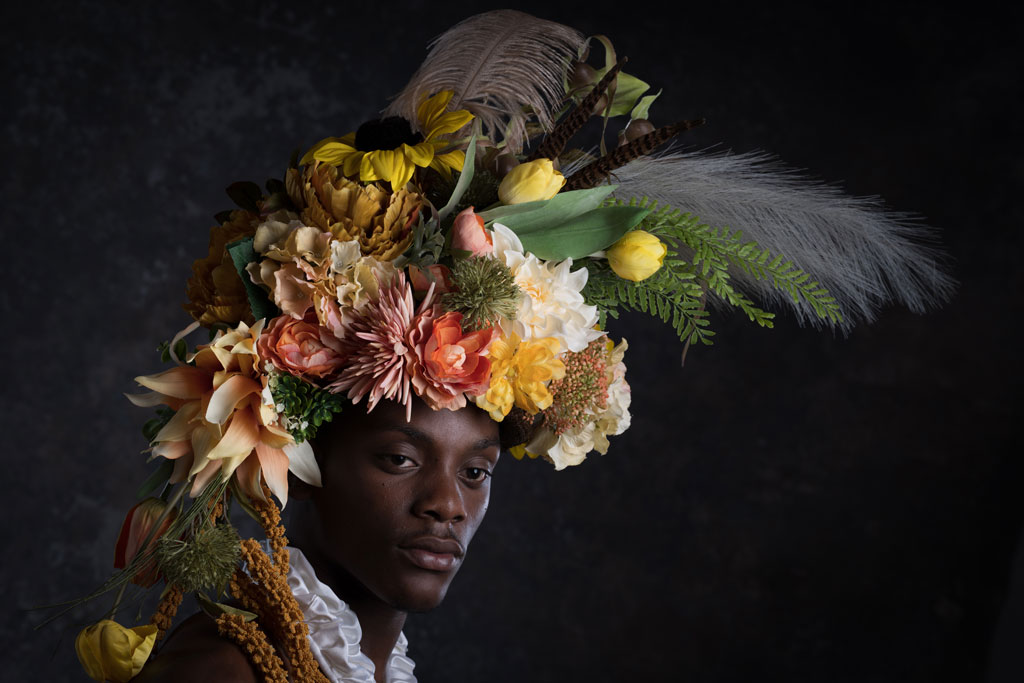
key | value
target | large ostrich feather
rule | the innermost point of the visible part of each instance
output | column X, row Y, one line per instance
column 863, row 254
column 497, row 63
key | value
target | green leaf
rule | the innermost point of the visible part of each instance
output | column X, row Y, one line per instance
column 247, row 195
column 215, row 609
column 242, row 254
column 642, row 108
column 627, row 92
column 156, row 480
column 560, row 208
column 628, row 89
column 465, row 178
column 582, row 235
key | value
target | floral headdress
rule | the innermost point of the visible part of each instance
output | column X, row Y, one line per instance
column 458, row 250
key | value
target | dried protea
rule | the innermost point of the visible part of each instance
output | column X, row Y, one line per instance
column 380, row 220
column 215, row 291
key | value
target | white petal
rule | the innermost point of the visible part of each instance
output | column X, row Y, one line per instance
column 302, row 463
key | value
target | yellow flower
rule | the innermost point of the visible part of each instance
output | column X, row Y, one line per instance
column 109, row 651
column 637, row 256
column 398, row 164
column 520, row 374
column 530, row 182
column 381, row 220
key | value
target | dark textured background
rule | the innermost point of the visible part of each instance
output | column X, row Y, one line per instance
column 791, row 506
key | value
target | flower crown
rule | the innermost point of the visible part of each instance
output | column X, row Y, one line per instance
column 458, row 250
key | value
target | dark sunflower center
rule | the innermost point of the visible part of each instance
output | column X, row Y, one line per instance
column 387, row 133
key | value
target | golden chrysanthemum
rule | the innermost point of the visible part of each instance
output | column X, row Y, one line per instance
column 381, row 221
column 215, row 291
column 390, row 151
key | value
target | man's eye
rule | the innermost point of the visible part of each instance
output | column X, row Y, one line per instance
column 477, row 473
column 400, row 461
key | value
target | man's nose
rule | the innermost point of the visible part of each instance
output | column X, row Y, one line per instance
column 440, row 498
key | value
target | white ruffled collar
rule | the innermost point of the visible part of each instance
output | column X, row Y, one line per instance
column 334, row 631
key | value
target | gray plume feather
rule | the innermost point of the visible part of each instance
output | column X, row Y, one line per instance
column 497, row 63
column 863, row 254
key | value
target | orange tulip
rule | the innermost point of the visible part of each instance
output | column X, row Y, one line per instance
column 136, row 528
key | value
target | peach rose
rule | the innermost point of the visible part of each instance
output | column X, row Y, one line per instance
column 468, row 234
column 450, row 364
column 301, row 347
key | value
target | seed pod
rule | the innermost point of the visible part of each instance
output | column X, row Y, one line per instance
column 504, row 163
column 583, row 75
column 638, row 128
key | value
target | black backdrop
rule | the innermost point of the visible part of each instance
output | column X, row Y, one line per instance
column 790, row 506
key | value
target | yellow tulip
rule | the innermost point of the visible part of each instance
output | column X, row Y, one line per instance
column 109, row 651
column 637, row 256
column 530, row 182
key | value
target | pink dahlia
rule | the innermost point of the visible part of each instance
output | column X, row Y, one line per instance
column 378, row 348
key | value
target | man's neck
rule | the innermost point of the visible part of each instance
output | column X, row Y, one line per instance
column 380, row 623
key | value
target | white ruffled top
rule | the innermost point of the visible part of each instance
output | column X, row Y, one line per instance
column 334, row 631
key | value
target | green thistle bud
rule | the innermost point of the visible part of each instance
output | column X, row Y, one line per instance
column 203, row 562
column 486, row 292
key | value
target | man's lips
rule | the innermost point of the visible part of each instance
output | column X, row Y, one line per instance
column 433, row 553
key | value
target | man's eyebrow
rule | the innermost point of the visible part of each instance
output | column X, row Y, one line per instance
column 422, row 437
column 484, row 444
column 411, row 432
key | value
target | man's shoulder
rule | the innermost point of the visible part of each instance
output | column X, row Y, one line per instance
column 196, row 652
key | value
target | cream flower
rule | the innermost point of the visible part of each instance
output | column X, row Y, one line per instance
column 357, row 276
column 572, row 446
column 553, row 305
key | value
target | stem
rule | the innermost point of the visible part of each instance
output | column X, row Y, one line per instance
column 117, row 601
column 172, row 503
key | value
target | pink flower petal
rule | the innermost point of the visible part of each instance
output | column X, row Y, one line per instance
column 275, row 470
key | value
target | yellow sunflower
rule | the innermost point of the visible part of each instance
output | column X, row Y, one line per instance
column 389, row 150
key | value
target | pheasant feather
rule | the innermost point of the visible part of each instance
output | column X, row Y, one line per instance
column 863, row 254
column 502, row 66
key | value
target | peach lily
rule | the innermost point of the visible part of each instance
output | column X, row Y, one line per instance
column 222, row 426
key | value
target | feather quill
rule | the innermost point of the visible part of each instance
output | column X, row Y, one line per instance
column 863, row 254
column 497, row 63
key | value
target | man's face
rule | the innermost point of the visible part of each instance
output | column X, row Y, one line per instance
column 401, row 500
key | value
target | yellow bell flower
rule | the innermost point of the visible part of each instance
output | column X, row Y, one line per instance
column 530, row 182
column 637, row 255
column 111, row 652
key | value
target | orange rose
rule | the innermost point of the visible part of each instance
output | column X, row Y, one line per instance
column 301, row 347
column 468, row 234
column 136, row 528
column 449, row 364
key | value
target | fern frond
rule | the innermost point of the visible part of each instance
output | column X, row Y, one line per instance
column 714, row 250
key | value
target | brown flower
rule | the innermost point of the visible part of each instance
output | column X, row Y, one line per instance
column 215, row 292
column 380, row 220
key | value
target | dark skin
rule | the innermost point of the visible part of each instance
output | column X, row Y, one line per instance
column 387, row 531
